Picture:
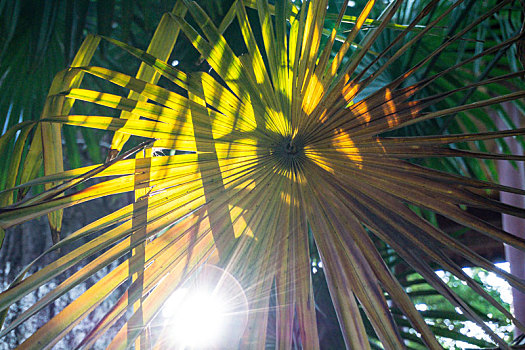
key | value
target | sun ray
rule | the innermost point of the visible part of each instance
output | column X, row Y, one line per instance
column 296, row 147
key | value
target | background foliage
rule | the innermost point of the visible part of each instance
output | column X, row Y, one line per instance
column 112, row 18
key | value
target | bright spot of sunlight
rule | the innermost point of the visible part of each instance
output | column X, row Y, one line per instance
column 495, row 282
column 209, row 310
column 489, row 279
column 422, row 307
column 197, row 318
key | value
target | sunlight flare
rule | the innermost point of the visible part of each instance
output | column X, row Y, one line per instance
column 209, row 310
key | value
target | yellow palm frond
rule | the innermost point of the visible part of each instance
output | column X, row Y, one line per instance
column 284, row 150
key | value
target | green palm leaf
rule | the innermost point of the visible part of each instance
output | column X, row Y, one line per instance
column 282, row 145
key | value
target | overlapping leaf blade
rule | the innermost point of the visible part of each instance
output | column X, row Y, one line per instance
column 282, row 142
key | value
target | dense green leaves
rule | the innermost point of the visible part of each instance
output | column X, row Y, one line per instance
column 297, row 145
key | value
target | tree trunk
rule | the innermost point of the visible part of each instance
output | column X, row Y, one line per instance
column 511, row 176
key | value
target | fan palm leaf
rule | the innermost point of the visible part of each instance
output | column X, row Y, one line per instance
column 282, row 146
